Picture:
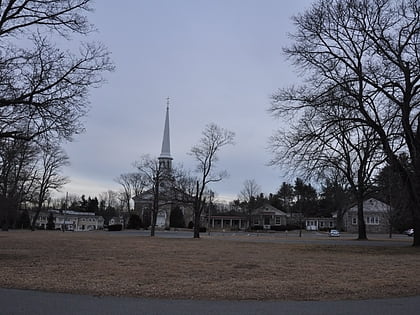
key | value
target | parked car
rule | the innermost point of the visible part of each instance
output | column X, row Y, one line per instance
column 409, row 232
column 334, row 233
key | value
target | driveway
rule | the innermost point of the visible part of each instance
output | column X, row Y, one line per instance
column 22, row 302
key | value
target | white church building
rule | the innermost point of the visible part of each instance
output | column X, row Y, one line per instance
column 143, row 203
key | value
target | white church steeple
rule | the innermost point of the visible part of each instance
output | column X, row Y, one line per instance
column 165, row 158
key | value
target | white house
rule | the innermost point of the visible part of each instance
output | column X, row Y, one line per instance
column 315, row 224
column 70, row 220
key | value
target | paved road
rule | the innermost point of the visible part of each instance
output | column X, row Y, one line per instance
column 23, row 302
column 308, row 237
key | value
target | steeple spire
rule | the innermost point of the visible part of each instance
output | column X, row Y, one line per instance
column 165, row 158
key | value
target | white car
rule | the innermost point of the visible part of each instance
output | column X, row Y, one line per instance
column 409, row 232
column 334, row 233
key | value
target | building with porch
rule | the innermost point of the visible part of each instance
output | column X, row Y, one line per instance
column 268, row 217
column 320, row 224
column 226, row 221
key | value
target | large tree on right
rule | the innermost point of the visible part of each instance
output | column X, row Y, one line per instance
column 368, row 52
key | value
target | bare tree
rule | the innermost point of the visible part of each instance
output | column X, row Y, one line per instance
column 48, row 176
column 158, row 180
column 17, row 164
column 132, row 185
column 205, row 152
column 368, row 50
column 322, row 142
column 109, row 198
column 60, row 16
column 43, row 90
column 248, row 194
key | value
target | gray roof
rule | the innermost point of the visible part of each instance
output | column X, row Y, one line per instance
column 269, row 209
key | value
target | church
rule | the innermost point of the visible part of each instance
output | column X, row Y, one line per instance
column 168, row 201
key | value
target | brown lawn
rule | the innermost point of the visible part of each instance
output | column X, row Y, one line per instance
column 110, row 264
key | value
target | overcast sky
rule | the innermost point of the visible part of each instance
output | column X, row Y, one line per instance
column 218, row 61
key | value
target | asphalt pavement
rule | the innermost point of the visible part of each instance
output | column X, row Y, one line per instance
column 23, row 302
column 291, row 237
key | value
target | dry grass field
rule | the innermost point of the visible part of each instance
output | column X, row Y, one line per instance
column 130, row 265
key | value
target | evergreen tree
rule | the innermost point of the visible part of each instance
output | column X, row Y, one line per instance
column 286, row 195
column 392, row 189
column 134, row 222
column 334, row 199
column 92, row 205
column 23, row 221
column 50, row 222
column 306, row 199
column 176, row 218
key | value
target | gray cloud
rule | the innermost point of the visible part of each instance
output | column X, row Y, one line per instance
column 218, row 61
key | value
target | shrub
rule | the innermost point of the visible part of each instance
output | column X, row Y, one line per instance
column 291, row 227
column 115, row 227
column 134, row 222
column 278, row 227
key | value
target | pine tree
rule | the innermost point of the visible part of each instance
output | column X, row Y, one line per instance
column 50, row 222
column 176, row 218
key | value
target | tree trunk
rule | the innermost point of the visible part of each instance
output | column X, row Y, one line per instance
column 415, row 203
column 390, row 230
column 197, row 210
column 361, row 219
column 416, row 221
column 38, row 210
column 152, row 226
column 35, row 218
column 340, row 224
column 196, row 224
column 155, row 209
column 8, row 212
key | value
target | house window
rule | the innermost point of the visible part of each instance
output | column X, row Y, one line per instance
column 354, row 220
column 278, row 220
column 321, row 224
column 256, row 222
column 331, row 223
column 372, row 220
